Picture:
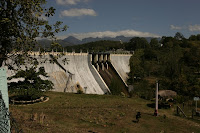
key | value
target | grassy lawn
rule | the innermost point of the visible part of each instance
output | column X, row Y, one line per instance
column 79, row 113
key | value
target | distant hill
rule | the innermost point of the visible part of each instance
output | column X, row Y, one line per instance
column 47, row 43
column 71, row 40
column 91, row 39
column 74, row 41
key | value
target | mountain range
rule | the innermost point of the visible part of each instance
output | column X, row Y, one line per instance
column 71, row 40
column 75, row 41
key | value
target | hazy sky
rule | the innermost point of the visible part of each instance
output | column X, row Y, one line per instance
column 99, row 18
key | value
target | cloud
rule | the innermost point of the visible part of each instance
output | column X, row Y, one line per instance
column 126, row 33
column 194, row 27
column 191, row 28
column 78, row 12
column 172, row 27
column 69, row 2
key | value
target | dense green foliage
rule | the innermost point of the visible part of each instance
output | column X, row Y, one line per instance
column 102, row 46
column 108, row 45
column 136, row 43
column 21, row 23
column 174, row 61
column 32, row 87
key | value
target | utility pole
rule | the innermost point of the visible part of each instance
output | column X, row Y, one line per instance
column 156, row 104
column 196, row 99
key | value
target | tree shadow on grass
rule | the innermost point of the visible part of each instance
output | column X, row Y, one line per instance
column 134, row 121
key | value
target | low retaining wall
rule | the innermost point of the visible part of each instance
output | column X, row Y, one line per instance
column 41, row 99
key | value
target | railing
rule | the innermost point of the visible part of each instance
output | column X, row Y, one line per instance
column 4, row 117
column 180, row 110
column 7, row 122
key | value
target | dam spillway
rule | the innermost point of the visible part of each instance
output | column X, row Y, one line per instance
column 73, row 71
column 111, row 70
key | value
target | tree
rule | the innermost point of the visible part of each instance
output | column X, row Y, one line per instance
column 154, row 43
column 21, row 24
column 32, row 86
column 192, row 59
column 198, row 37
column 171, row 61
column 137, row 43
column 144, row 90
column 136, row 69
column 165, row 41
column 150, row 54
column 179, row 36
column 176, row 65
column 57, row 46
column 192, row 38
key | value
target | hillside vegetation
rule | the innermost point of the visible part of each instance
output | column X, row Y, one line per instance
column 102, row 46
column 174, row 62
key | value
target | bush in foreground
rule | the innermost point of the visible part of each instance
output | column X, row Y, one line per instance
column 33, row 86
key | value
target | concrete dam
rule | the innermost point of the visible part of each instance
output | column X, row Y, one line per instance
column 90, row 73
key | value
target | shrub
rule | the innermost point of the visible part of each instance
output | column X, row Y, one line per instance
column 79, row 91
column 143, row 90
column 32, row 87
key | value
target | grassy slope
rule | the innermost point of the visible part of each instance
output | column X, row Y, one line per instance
column 66, row 113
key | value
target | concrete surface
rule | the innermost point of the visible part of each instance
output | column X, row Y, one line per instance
column 121, row 64
column 97, row 76
column 79, row 67
column 80, row 73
